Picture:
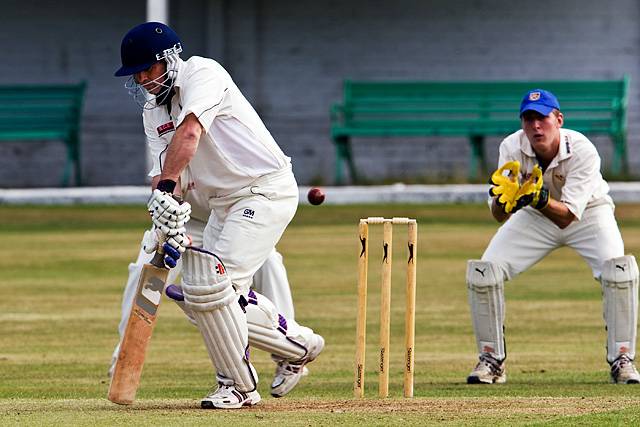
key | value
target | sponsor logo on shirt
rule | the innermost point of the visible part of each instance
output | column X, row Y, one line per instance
column 165, row 128
column 248, row 213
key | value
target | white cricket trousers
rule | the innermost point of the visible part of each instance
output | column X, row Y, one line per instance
column 245, row 226
column 528, row 236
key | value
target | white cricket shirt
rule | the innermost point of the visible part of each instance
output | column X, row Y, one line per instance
column 573, row 176
column 235, row 148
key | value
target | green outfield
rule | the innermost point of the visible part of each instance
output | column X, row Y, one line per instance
column 63, row 270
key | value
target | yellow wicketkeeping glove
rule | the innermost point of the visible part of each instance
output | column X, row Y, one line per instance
column 532, row 192
column 505, row 188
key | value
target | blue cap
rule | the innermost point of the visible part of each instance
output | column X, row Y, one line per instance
column 540, row 100
column 144, row 45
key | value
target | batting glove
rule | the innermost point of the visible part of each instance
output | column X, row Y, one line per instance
column 173, row 247
column 168, row 212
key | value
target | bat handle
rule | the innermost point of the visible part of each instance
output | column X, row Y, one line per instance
column 158, row 257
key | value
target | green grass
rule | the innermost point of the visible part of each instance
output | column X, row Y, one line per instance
column 63, row 270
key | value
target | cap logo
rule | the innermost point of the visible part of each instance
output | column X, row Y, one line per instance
column 534, row 96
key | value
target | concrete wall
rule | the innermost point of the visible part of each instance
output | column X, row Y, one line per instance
column 60, row 42
column 290, row 57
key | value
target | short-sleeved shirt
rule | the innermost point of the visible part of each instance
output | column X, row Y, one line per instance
column 573, row 176
column 235, row 148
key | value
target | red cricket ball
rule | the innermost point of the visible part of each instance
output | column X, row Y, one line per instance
column 315, row 196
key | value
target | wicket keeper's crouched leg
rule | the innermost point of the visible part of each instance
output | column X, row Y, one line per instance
column 486, row 298
column 619, row 281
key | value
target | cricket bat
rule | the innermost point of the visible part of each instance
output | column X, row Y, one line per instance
column 142, row 319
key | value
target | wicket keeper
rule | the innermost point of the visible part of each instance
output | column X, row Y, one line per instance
column 548, row 193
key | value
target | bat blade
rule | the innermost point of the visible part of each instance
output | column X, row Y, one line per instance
column 142, row 320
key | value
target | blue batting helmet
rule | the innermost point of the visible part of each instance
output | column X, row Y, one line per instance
column 146, row 44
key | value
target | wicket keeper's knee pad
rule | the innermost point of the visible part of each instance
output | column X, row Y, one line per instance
column 486, row 299
column 209, row 294
column 272, row 332
column 619, row 282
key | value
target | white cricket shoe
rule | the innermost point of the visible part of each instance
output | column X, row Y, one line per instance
column 488, row 371
column 227, row 397
column 623, row 371
column 288, row 373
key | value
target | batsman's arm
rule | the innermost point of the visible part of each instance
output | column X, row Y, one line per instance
column 182, row 148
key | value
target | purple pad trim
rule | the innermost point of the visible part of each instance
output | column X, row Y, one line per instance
column 174, row 292
column 282, row 324
column 253, row 298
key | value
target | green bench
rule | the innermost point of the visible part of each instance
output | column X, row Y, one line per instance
column 474, row 110
column 42, row 113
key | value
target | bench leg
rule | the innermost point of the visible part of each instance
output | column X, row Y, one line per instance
column 76, row 162
column 619, row 164
column 344, row 155
column 67, row 172
column 72, row 164
column 478, row 164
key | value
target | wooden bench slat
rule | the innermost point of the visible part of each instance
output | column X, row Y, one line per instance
column 44, row 113
column 473, row 110
column 12, row 136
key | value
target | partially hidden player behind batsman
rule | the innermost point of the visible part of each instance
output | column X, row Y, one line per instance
column 206, row 139
column 548, row 193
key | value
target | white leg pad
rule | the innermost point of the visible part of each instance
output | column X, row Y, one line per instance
column 272, row 332
column 209, row 294
column 205, row 281
column 620, row 305
column 486, row 298
column 187, row 311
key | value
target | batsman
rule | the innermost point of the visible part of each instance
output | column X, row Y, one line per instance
column 206, row 139
column 548, row 192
